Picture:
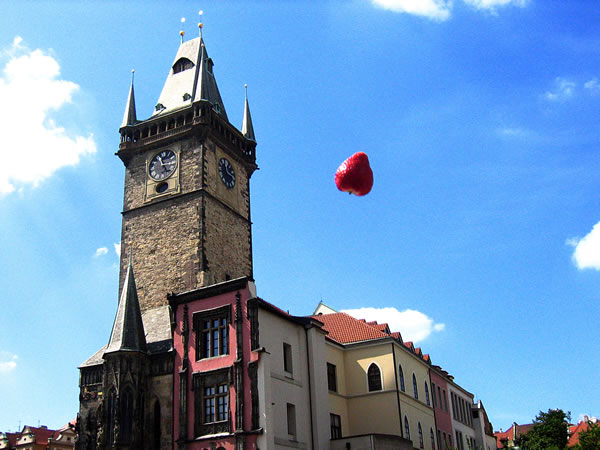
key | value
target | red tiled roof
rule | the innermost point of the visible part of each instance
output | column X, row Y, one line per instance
column 509, row 434
column 574, row 431
column 41, row 435
column 345, row 329
column 12, row 439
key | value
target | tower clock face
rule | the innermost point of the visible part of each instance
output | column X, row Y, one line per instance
column 227, row 173
column 162, row 165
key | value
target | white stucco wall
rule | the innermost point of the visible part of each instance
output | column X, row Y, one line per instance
column 305, row 387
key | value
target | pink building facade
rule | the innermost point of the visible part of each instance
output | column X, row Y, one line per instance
column 441, row 407
column 215, row 392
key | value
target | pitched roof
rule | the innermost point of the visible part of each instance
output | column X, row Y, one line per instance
column 574, row 431
column 195, row 82
column 509, row 434
column 157, row 324
column 128, row 327
column 42, row 434
column 345, row 329
column 11, row 437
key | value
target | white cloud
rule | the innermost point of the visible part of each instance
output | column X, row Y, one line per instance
column 440, row 9
column 117, row 247
column 564, row 90
column 8, row 362
column 592, row 85
column 413, row 325
column 587, row 249
column 101, row 251
column 491, row 5
column 35, row 146
column 514, row 132
column 432, row 9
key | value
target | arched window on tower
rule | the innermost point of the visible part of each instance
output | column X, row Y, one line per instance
column 401, row 376
column 406, row 428
column 415, row 387
column 420, row 436
column 432, row 437
column 126, row 415
column 374, row 378
column 182, row 64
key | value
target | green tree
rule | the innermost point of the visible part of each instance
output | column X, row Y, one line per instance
column 549, row 432
column 590, row 438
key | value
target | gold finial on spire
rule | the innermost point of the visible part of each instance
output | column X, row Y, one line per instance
column 182, row 33
column 246, row 88
column 132, row 74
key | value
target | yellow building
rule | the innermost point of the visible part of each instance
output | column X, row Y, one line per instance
column 378, row 384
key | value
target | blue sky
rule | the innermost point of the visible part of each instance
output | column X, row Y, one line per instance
column 480, row 119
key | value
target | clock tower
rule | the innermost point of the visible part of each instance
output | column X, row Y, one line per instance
column 186, row 206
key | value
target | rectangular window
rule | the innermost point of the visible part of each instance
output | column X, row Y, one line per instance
column 336, row 426
column 453, row 406
column 433, row 395
column 253, row 319
column 445, row 402
column 211, row 402
column 331, row 377
column 287, row 358
column 291, row 420
column 212, row 333
column 253, row 374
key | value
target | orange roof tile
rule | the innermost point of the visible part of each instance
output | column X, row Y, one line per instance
column 574, row 431
column 345, row 329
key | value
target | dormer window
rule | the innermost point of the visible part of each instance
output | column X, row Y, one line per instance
column 182, row 64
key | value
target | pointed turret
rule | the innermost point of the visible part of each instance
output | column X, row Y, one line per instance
column 247, row 128
column 190, row 79
column 129, row 118
column 128, row 328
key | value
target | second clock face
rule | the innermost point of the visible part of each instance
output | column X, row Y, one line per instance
column 162, row 165
column 227, row 173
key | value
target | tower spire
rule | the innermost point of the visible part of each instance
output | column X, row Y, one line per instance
column 128, row 329
column 247, row 128
column 130, row 118
column 190, row 79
